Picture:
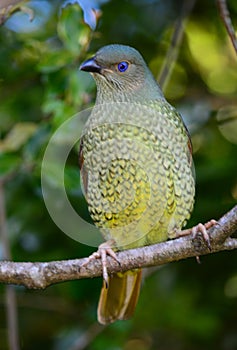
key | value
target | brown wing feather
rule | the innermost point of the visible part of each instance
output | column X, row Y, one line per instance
column 190, row 149
column 84, row 174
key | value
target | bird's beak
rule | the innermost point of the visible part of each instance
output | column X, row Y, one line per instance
column 91, row 66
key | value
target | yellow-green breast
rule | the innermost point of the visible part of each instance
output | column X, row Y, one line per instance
column 138, row 164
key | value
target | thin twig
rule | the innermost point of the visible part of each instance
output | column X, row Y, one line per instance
column 175, row 42
column 87, row 337
column 11, row 304
column 225, row 16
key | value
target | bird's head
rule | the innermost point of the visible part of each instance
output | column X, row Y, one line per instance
column 121, row 74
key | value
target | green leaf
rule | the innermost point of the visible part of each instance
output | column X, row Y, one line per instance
column 17, row 136
column 72, row 29
column 54, row 60
column 9, row 163
column 79, row 85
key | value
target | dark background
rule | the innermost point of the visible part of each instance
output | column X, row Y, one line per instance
column 182, row 305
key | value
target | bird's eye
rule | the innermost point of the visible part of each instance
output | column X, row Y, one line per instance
column 123, row 66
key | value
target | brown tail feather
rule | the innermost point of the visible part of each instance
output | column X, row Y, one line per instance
column 118, row 301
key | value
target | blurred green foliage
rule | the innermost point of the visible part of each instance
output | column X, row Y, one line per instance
column 183, row 305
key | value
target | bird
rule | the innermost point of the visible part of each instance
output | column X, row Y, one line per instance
column 136, row 167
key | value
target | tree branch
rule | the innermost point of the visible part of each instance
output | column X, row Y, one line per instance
column 9, row 7
column 225, row 16
column 43, row 274
column 175, row 43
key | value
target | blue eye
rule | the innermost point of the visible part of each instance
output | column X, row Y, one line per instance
column 123, row 66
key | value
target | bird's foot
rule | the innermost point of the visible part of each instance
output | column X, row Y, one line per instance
column 105, row 249
column 199, row 229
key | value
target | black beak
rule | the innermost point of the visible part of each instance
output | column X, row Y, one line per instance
column 90, row 65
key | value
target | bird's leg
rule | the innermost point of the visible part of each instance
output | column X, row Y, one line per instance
column 103, row 251
column 199, row 229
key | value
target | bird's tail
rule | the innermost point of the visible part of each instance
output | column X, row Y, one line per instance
column 119, row 299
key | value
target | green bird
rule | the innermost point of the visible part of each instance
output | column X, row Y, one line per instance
column 136, row 166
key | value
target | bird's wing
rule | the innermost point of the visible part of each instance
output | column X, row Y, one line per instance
column 84, row 173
